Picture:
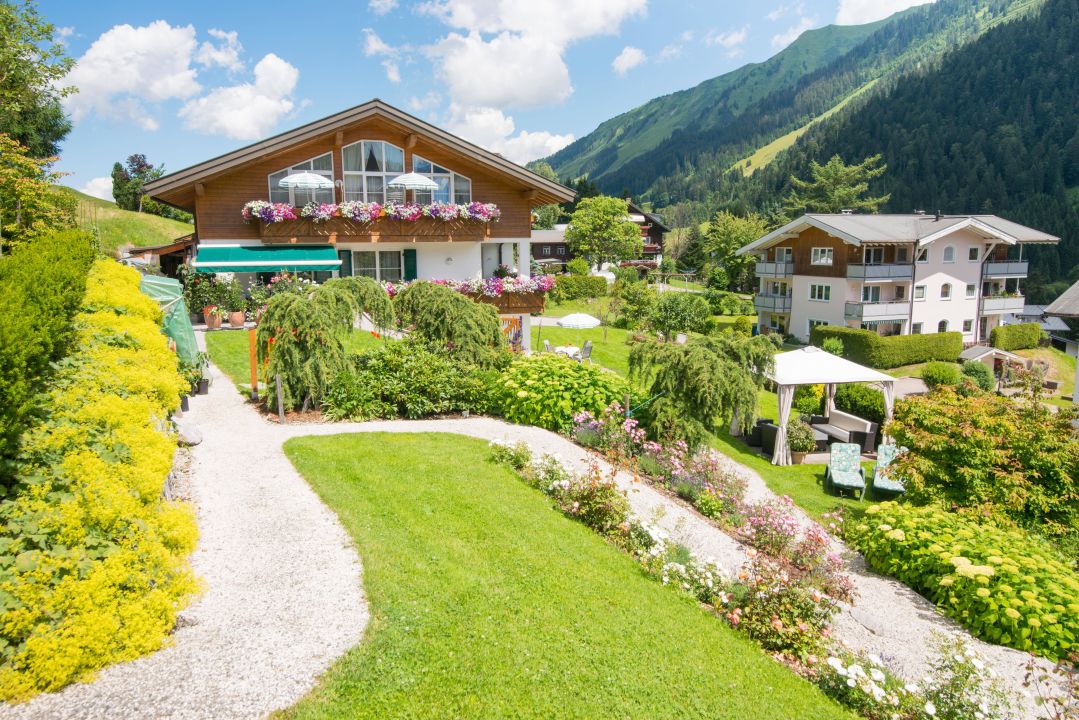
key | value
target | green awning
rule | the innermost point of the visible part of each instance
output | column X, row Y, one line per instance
column 293, row 258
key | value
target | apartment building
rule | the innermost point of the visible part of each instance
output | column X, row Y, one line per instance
column 892, row 274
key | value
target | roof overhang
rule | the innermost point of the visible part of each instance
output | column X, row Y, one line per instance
column 169, row 188
column 972, row 223
column 793, row 229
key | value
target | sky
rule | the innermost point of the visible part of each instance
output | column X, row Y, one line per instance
column 184, row 82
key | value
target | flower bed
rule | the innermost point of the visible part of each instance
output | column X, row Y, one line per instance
column 356, row 211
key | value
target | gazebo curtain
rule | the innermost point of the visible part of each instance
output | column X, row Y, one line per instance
column 781, row 454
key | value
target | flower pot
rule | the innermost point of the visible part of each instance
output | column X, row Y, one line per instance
column 797, row 458
column 204, row 386
column 237, row 318
column 184, row 404
column 213, row 322
column 195, row 317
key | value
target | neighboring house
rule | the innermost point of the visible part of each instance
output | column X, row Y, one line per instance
column 549, row 246
column 1036, row 314
column 168, row 257
column 893, row 274
column 360, row 151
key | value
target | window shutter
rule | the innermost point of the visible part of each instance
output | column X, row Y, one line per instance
column 410, row 264
column 345, row 256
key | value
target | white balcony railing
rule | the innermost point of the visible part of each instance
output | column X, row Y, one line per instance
column 888, row 271
column 775, row 269
column 1017, row 268
column 876, row 310
column 1003, row 304
column 772, row 303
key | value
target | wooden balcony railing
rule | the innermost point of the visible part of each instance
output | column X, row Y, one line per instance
column 304, row 231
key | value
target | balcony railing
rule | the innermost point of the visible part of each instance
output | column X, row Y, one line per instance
column 775, row 269
column 888, row 271
column 1002, row 304
column 342, row 230
column 876, row 310
column 1016, row 268
column 772, row 303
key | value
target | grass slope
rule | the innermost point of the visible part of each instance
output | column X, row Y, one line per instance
column 487, row 603
column 118, row 227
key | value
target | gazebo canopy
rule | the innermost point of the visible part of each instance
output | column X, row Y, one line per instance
column 813, row 366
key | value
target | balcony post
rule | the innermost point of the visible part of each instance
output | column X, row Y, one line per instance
column 524, row 258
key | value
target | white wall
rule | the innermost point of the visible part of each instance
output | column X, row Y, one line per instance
column 803, row 309
column 935, row 273
column 434, row 261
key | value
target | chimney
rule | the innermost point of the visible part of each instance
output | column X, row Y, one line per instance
column 846, row 211
column 938, row 216
column 919, row 212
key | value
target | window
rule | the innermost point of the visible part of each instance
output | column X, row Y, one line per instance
column 974, row 254
column 321, row 165
column 380, row 265
column 775, row 322
column 949, row 254
column 916, row 329
column 820, row 256
column 871, row 293
column 972, row 290
column 942, row 326
column 968, row 326
column 874, row 256
column 901, row 255
column 815, row 323
column 946, row 291
column 820, row 293
column 923, row 255
column 919, row 292
column 779, row 289
column 784, row 254
column 561, row 249
column 368, row 166
column 546, row 250
column 900, row 292
column 451, row 186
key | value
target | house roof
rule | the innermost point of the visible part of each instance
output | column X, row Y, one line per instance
column 650, row 217
column 1067, row 305
column 181, row 243
column 977, row 352
column 922, row 229
column 179, row 185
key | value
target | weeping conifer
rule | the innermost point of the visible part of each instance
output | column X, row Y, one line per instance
column 447, row 320
column 369, row 296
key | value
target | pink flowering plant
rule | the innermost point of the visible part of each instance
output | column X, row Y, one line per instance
column 488, row 287
column 268, row 212
column 369, row 212
column 319, row 212
column 771, row 526
column 612, row 432
column 360, row 212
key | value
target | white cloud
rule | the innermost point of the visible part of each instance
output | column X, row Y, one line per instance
column 731, row 41
column 249, row 110
column 99, row 187
column 225, row 54
column 393, row 71
column 858, row 12
column 629, row 58
column 794, row 8
column 427, row 102
column 560, row 21
column 508, row 70
column 490, row 128
column 63, row 33
column 670, row 52
column 129, row 65
column 791, row 34
column 381, row 7
column 374, row 45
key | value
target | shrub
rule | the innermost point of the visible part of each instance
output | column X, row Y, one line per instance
column 861, row 400
column 41, row 288
column 728, row 303
column 548, row 390
column 807, row 399
column 677, row 312
column 94, row 564
column 577, row 266
column 832, row 345
column 1001, row 584
column 578, row 287
column 516, row 456
column 986, row 454
column 596, row 501
column 405, row 379
column 935, row 374
column 771, row 526
column 447, row 320
column 743, row 325
column 1016, row 337
column 633, row 303
column 868, row 348
column 981, row 375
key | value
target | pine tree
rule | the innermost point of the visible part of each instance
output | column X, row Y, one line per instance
column 836, row 186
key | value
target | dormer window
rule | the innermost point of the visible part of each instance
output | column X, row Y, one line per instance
column 369, row 165
column 451, row 186
column 321, row 165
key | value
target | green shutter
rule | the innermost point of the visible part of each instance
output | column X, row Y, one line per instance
column 345, row 256
column 410, row 264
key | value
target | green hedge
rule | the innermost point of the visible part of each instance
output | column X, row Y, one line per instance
column 1003, row 585
column 1016, row 337
column 868, row 348
column 576, row 287
column 860, row 400
column 41, row 288
column 937, row 373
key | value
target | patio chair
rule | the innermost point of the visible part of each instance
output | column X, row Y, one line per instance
column 547, row 346
column 586, row 352
column 882, row 482
column 845, row 470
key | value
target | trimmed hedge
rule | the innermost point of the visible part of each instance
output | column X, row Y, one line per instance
column 93, row 559
column 868, row 348
column 1016, row 337
column 577, row 287
column 860, row 400
column 1001, row 584
column 41, row 287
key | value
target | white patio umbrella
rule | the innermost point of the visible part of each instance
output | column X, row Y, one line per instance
column 306, row 181
column 413, row 181
column 578, row 321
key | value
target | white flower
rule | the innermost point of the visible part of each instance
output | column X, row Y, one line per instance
column 836, row 663
column 875, row 659
column 856, row 671
column 912, row 688
column 977, row 663
column 930, row 708
column 850, row 682
column 876, row 675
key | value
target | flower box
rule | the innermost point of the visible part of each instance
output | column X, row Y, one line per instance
column 516, row 303
column 339, row 229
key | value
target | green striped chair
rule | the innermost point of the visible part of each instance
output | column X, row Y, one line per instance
column 845, row 470
column 882, row 482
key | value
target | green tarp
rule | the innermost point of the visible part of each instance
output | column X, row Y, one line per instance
column 170, row 295
column 293, row 258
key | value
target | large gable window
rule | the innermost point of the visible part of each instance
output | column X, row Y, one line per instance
column 451, row 186
column 369, row 165
column 321, row 165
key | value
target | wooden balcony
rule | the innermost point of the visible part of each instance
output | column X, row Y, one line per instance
column 515, row 303
column 334, row 230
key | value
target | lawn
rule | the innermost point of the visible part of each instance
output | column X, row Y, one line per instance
column 596, row 307
column 485, row 602
column 117, row 228
column 612, row 353
column 228, row 350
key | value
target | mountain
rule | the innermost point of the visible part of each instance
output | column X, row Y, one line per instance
column 673, row 147
column 117, row 228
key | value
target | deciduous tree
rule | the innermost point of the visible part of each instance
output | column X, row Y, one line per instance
column 30, row 204
column 725, row 234
column 601, row 231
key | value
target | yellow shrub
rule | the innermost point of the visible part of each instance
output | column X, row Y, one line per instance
column 93, row 560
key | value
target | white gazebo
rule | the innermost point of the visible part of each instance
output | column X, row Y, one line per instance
column 813, row 366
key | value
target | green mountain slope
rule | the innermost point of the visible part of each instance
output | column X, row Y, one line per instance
column 702, row 134
column 118, row 228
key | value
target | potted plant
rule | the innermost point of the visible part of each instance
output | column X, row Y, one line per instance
column 214, row 315
column 800, row 440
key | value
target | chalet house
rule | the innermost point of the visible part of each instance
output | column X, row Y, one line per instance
column 359, row 152
column 549, row 246
column 893, row 274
